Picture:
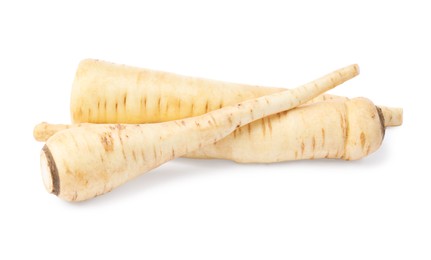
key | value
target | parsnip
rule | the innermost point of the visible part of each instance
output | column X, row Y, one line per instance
column 83, row 162
column 44, row 131
column 392, row 117
column 350, row 130
column 103, row 92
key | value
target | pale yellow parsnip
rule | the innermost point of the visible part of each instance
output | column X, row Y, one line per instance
column 104, row 92
column 87, row 161
column 392, row 117
column 337, row 129
column 348, row 130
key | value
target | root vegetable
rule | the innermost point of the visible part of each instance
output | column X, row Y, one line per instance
column 103, row 92
column 83, row 162
column 392, row 117
column 44, row 131
column 349, row 130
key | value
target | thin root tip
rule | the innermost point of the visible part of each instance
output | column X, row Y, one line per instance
column 356, row 68
column 400, row 113
column 38, row 130
column 393, row 115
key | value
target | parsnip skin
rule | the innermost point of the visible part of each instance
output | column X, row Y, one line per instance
column 85, row 162
column 392, row 117
column 347, row 130
column 91, row 160
column 104, row 92
column 43, row 131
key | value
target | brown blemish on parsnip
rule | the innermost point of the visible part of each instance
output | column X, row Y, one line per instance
column 107, row 142
column 206, row 106
column 362, row 138
column 323, row 137
column 213, row 119
column 269, row 125
column 134, row 156
column 154, row 153
column 120, row 127
column 344, row 124
column 125, row 100
column 81, row 178
column 279, row 116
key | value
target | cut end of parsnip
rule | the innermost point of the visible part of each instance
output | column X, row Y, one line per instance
column 49, row 171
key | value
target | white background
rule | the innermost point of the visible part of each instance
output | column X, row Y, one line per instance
column 375, row 208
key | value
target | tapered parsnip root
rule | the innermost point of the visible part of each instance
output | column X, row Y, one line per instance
column 43, row 131
column 104, row 92
column 83, row 162
column 393, row 115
